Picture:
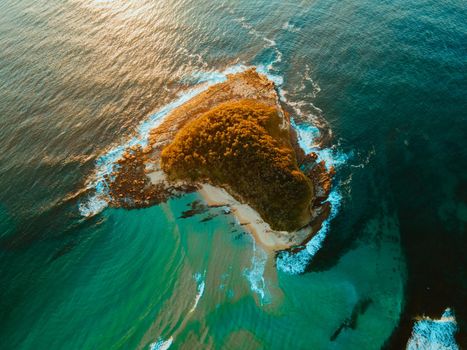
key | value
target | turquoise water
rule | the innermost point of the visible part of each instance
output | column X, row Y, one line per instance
column 81, row 78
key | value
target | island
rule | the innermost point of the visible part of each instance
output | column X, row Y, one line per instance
column 235, row 145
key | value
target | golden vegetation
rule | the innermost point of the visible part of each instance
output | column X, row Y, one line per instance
column 241, row 146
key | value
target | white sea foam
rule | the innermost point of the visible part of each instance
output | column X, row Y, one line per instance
column 434, row 334
column 93, row 205
column 296, row 263
column 215, row 77
column 255, row 274
column 306, row 133
column 290, row 27
column 265, row 70
column 161, row 344
column 200, row 289
column 306, row 82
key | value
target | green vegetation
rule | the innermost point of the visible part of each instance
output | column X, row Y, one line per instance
column 241, row 147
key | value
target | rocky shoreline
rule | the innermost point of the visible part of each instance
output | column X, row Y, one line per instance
column 139, row 181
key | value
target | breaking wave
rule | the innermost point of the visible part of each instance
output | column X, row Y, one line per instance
column 307, row 134
column 200, row 289
column 255, row 274
column 161, row 344
column 290, row 27
column 296, row 263
column 434, row 334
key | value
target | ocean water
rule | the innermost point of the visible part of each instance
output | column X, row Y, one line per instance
column 82, row 78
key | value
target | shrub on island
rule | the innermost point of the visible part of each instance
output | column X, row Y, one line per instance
column 244, row 147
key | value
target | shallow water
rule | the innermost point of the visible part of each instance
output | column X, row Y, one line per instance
column 83, row 77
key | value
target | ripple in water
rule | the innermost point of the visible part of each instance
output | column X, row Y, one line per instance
column 162, row 344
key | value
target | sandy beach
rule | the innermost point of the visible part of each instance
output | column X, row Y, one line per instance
column 249, row 218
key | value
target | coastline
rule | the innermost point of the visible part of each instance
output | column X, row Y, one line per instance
column 271, row 240
column 139, row 180
column 246, row 216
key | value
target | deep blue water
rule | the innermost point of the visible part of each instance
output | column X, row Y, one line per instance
column 78, row 78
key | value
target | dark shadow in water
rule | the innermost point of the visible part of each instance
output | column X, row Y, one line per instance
column 347, row 229
column 209, row 217
column 351, row 322
column 57, row 222
column 72, row 241
column 434, row 244
column 336, row 246
column 196, row 208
